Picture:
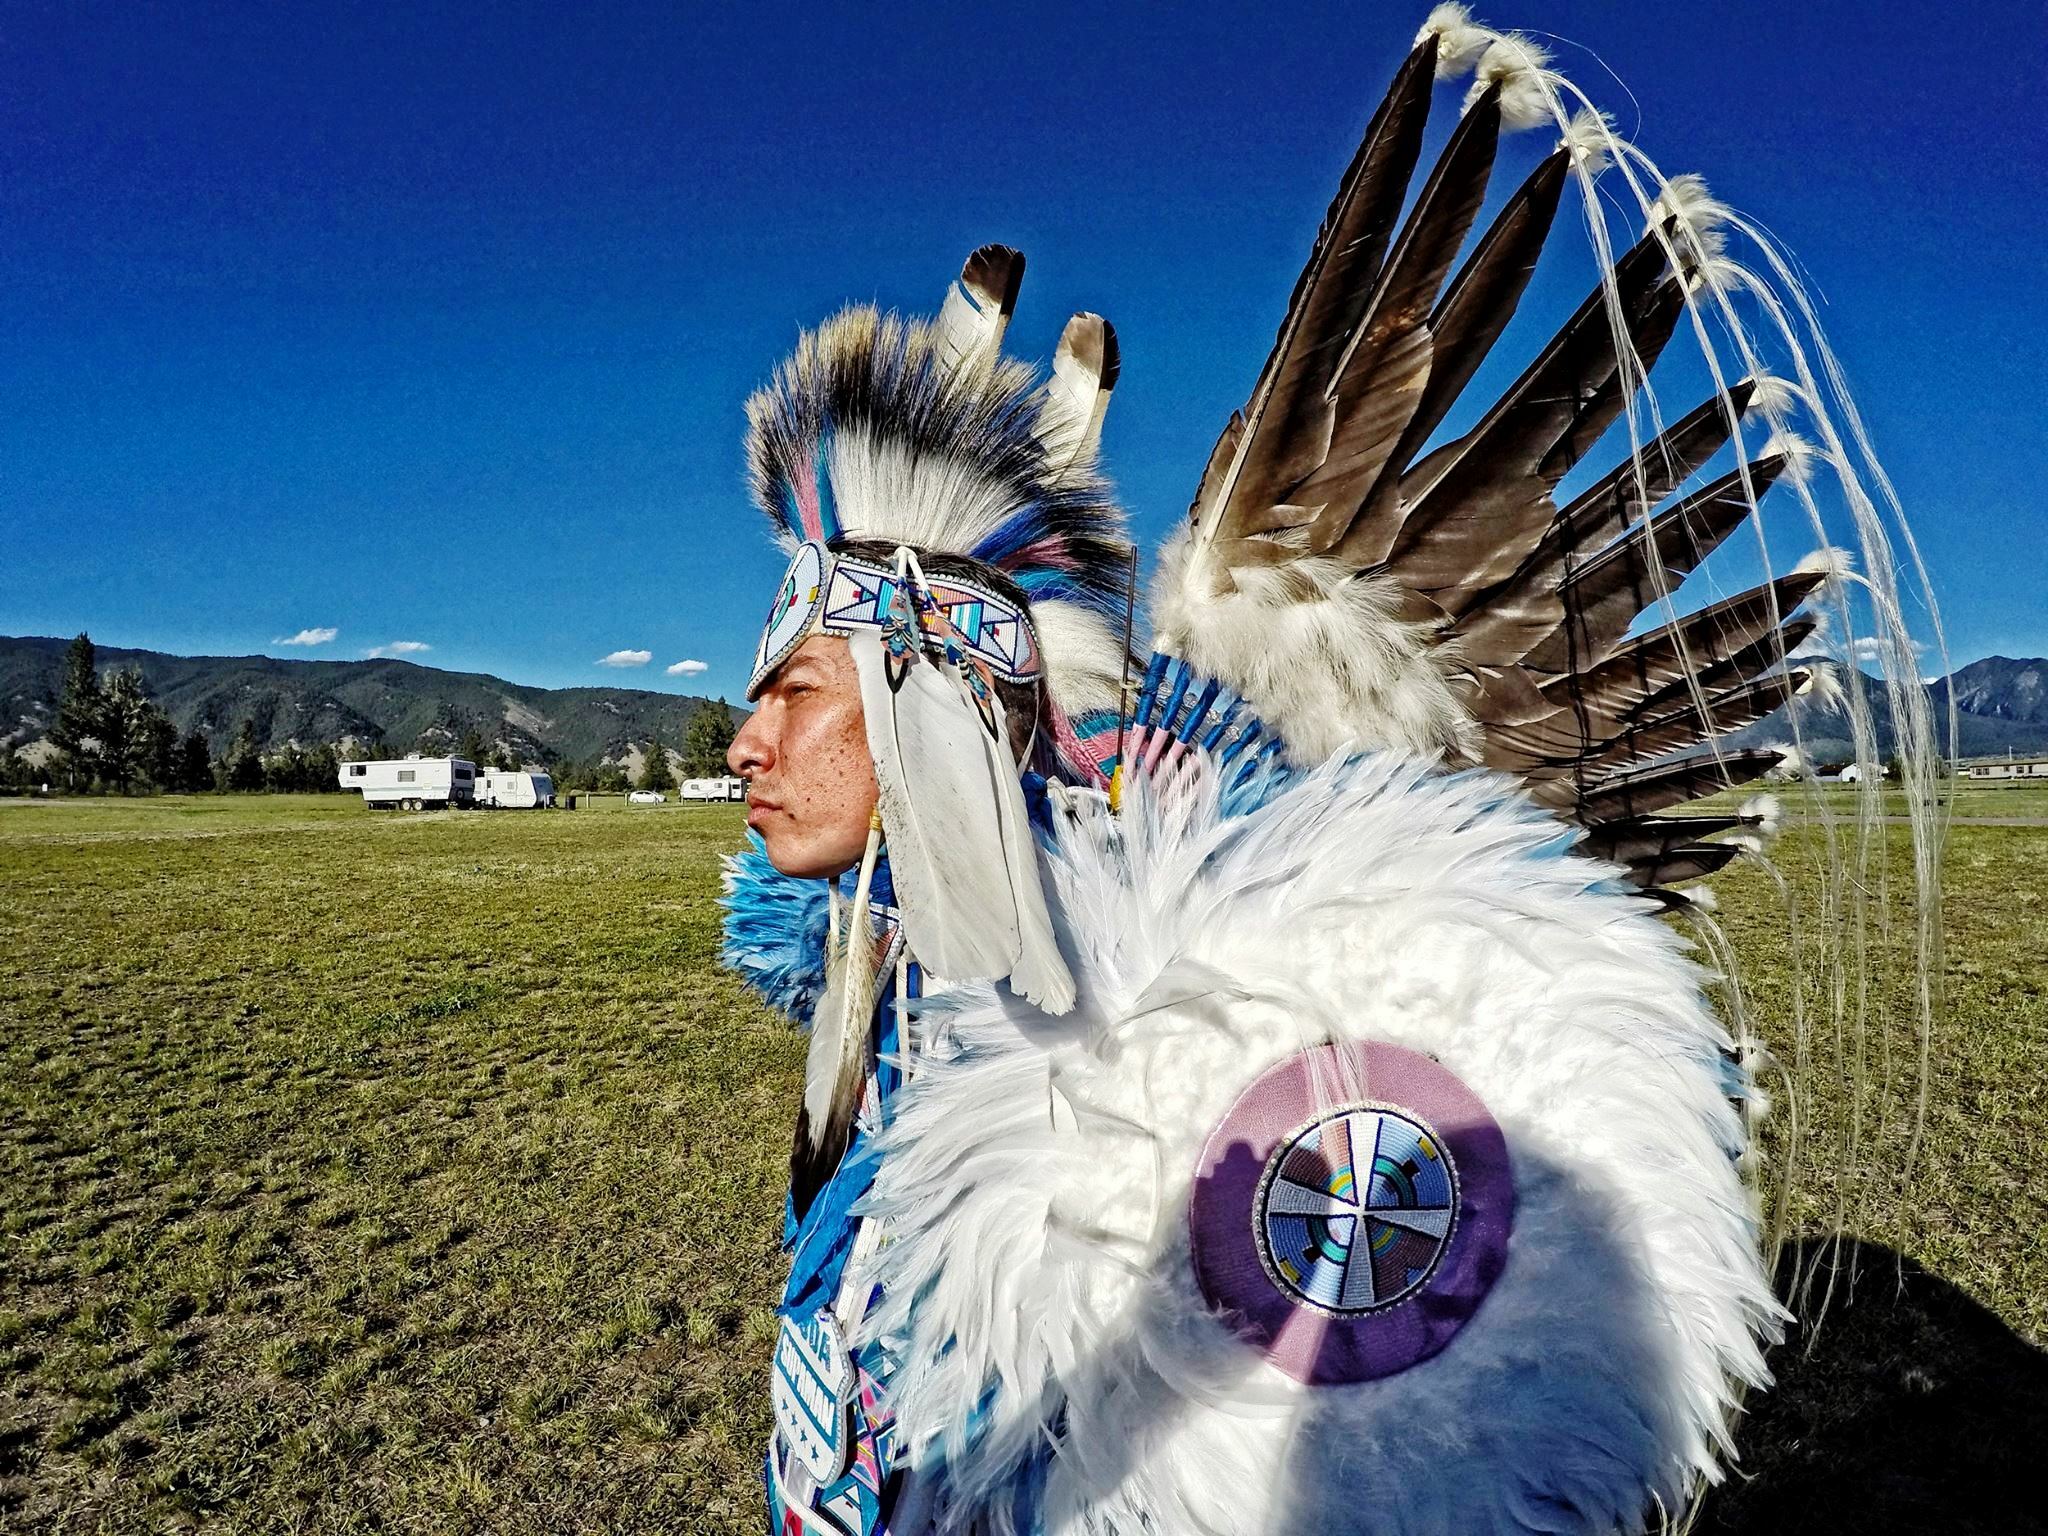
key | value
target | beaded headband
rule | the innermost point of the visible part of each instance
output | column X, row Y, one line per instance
column 825, row 592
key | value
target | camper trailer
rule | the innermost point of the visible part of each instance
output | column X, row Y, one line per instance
column 412, row 783
column 514, row 790
column 713, row 789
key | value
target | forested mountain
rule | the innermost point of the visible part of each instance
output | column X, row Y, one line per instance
column 382, row 705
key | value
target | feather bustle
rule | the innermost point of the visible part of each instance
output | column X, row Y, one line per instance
column 1467, row 321
column 1271, row 453
column 1384, row 369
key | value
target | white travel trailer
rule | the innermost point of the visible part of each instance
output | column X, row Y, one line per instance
column 727, row 788
column 514, row 790
column 412, row 783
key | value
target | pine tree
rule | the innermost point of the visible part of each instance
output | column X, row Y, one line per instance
column 323, row 769
column 706, row 740
column 77, row 733
column 195, row 763
column 245, row 759
column 158, row 755
column 472, row 748
column 123, row 726
column 654, row 771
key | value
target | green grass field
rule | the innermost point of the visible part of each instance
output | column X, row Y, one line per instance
column 380, row 1172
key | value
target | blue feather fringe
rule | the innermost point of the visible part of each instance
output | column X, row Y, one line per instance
column 775, row 928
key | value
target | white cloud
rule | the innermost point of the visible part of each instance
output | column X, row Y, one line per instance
column 318, row 635
column 1874, row 649
column 689, row 668
column 626, row 659
column 399, row 648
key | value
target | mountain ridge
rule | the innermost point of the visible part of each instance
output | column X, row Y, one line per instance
column 386, row 704
column 382, row 704
column 1999, row 709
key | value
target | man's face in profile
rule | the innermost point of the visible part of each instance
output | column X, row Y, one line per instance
column 805, row 749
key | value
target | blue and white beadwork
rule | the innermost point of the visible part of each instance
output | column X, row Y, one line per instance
column 825, row 592
column 1356, row 1210
column 790, row 617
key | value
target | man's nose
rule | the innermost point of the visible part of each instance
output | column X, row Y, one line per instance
column 750, row 752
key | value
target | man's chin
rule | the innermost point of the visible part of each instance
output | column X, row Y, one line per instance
column 802, row 863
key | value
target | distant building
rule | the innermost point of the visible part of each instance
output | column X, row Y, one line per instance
column 2006, row 768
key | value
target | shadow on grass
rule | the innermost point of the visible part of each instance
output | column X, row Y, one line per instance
column 1916, row 1410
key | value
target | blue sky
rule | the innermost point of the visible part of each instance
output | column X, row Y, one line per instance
column 433, row 325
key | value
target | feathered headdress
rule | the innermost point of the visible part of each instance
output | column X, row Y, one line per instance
column 881, row 428
column 919, row 439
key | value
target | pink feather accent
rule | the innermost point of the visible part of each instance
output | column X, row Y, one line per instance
column 1053, row 552
column 1072, row 750
column 806, row 492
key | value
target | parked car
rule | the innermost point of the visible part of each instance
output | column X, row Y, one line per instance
column 647, row 797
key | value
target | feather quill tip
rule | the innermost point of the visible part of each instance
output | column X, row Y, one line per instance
column 1698, row 218
column 1589, row 138
column 1823, row 686
column 1762, row 812
column 1772, row 397
column 1460, row 41
column 1830, row 564
column 1687, row 199
column 1518, row 65
column 1701, row 899
column 1799, row 456
column 1790, row 766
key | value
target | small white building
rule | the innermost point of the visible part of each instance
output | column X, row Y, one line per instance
column 2007, row 768
column 727, row 789
column 412, row 783
column 514, row 790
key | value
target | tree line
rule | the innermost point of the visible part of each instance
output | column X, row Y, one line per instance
column 111, row 737
column 701, row 754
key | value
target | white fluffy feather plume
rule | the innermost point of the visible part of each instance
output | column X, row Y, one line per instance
column 1038, row 1285
column 1589, row 136
column 1083, row 655
column 1459, row 39
column 1836, row 565
column 960, row 847
column 1520, row 67
column 1322, row 650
